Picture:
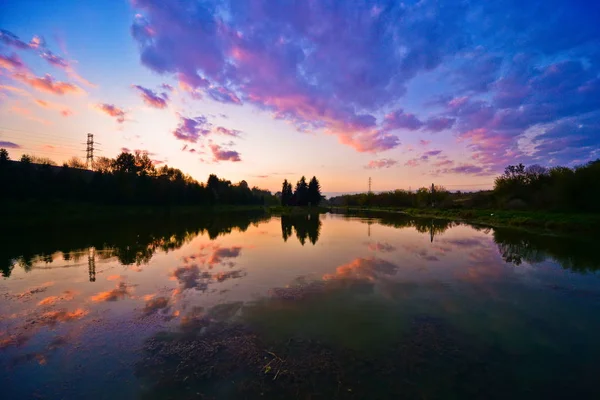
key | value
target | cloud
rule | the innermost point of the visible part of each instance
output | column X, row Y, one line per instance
column 220, row 154
column 61, row 108
column 151, row 98
column 220, row 253
column 227, row 132
column 364, row 269
column 122, row 291
column 12, row 62
column 113, row 111
column 439, row 124
column 314, row 65
column 48, row 84
column 424, row 158
column 383, row 163
column 191, row 129
column 9, row 145
column 10, row 39
column 503, row 69
column 401, row 120
column 424, row 143
column 26, row 112
column 168, row 87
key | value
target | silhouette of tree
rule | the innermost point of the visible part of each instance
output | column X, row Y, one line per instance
column 25, row 159
column 76, row 162
column 314, row 192
column 286, row 193
column 125, row 163
column 4, row 157
column 301, row 192
column 103, row 164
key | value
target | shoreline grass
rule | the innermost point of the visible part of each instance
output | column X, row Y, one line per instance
column 539, row 220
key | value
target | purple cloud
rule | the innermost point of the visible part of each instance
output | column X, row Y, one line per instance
column 506, row 71
column 439, row 124
column 401, row 120
column 191, row 129
column 152, row 98
column 220, row 154
column 309, row 63
column 113, row 111
column 12, row 62
column 383, row 163
column 227, row 132
column 9, row 145
column 10, row 39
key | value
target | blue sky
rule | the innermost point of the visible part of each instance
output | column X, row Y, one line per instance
column 408, row 93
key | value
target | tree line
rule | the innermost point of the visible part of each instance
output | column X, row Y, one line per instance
column 303, row 194
column 519, row 187
column 128, row 179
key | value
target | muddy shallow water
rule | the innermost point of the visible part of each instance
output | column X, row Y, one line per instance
column 249, row 306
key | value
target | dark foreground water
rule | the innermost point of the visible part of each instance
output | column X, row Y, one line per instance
column 246, row 306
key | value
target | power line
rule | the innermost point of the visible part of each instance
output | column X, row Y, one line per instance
column 35, row 133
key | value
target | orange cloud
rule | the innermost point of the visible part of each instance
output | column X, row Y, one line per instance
column 120, row 292
column 48, row 84
column 64, row 110
column 11, row 63
column 51, row 318
column 51, row 300
column 29, row 115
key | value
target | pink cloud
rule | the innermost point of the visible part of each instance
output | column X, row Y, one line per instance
column 62, row 109
column 151, row 98
column 412, row 163
column 227, row 132
column 220, row 154
column 383, row 163
column 48, row 84
column 29, row 114
column 424, row 143
column 113, row 111
column 12, row 62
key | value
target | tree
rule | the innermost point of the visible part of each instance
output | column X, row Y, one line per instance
column 125, row 163
column 42, row 160
column 76, row 162
column 286, row 193
column 301, row 192
column 143, row 164
column 4, row 157
column 103, row 165
column 314, row 192
column 25, row 159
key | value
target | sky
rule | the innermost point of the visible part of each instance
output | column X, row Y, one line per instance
column 408, row 93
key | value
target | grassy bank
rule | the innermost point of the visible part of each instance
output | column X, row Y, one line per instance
column 523, row 219
column 33, row 213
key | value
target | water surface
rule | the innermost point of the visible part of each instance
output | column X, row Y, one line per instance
column 249, row 306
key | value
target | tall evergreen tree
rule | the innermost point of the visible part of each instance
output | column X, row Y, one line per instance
column 301, row 192
column 314, row 192
column 286, row 193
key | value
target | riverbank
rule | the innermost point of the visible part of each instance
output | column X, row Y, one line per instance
column 563, row 222
column 33, row 213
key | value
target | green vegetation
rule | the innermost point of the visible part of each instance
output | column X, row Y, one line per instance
column 534, row 197
column 304, row 194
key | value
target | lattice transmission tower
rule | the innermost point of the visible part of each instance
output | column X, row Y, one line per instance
column 89, row 151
